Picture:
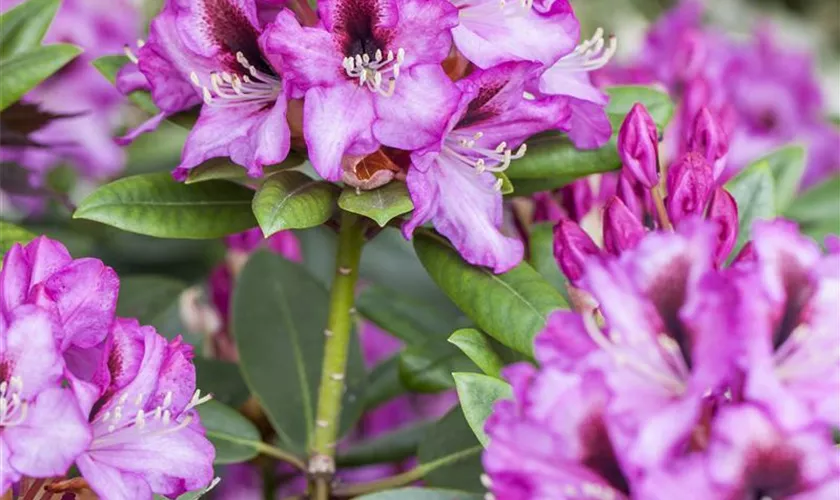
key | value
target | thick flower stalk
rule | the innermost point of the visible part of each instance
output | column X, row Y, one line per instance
column 81, row 387
column 682, row 378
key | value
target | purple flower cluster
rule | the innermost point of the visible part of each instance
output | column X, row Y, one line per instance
column 683, row 380
column 447, row 91
column 81, row 386
column 764, row 95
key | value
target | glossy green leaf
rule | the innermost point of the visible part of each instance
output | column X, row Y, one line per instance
column 292, row 200
column 224, row 169
column 381, row 204
column 154, row 301
column 410, row 319
column 23, row 27
column 24, row 71
column 477, row 394
column 235, row 438
column 553, row 156
column 753, row 190
column 511, row 307
column 389, row 447
column 157, row 205
column 222, row 379
column 787, row 165
column 428, row 367
column 279, row 317
column 109, row 66
column 527, row 187
column 421, row 494
column 11, row 234
column 819, row 206
column 623, row 97
column 541, row 246
column 477, row 346
column 451, row 442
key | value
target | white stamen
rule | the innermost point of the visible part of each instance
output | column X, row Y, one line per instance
column 252, row 87
column 377, row 74
column 591, row 54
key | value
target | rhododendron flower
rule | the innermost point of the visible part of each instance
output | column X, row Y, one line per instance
column 452, row 182
column 42, row 429
column 202, row 50
column 146, row 435
column 370, row 75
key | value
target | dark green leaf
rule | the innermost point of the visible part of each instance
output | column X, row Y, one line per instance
column 221, row 379
column 154, row 301
column 23, row 27
column 510, row 307
column 156, row 205
column 279, row 317
column 22, row 72
column 291, row 200
column 754, row 192
column 381, row 204
column 623, row 97
column 224, row 169
column 234, row 437
column 452, row 442
column 527, row 187
column 421, row 494
column 787, row 164
column 477, row 394
column 383, row 383
column 477, row 346
column 109, row 66
column 541, row 245
column 11, row 234
column 819, row 206
column 407, row 318
column 428, row 367
column 390, row 447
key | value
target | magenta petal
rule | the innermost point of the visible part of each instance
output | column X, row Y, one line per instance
column 337, row 120
column 147, row 126
column 53, row 434
column 424, row 32
column 30, row 351
column 588, row 126
column 111, row 481
column 14, row 279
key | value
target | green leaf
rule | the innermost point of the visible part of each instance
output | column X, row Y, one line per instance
column 477, row 346
column 506, row 186
column 381, row 204
column 527, row 187
column 511, row 307
column 451, row 442
column 221, row 379
column 477, row 394
column 410, row 319
column 235, row 438
column 383, row 383
column 421, row 494
column 154, row 301
column 428, row 367
column 109, row 66
column 156, row 205
column 754, row 192
column 292, row 200
column 11, row 234
column 193, row 495
column 787, row 165
column 279, row 317
column 22, row 72
column 541, row 245
column 224, row 169
column 553, row 156
column 819, row 206
column 23, row 27
column 623, row 97
column 389, row 447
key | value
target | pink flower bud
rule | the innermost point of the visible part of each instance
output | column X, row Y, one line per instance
column 638, row 146
column 724, row 211
column 708, row 138
column 577, row 199
column 690, row 184
column 571, row 248
column 546, row 208
column 634, row 196
column 622, row 230
column 746, row 256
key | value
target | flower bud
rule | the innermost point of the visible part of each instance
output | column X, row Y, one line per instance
column 571, row 248
column 546, row 208
column 723, row 210
column 634, row 196
column 622, row 230
column 746, row 256
column 577, row 199
column 709, row 139
column 690, row 184
column 832, row 243
column 638, row 146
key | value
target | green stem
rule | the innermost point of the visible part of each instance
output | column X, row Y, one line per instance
column 339, row 323
column 405, row 478
column 274, row 452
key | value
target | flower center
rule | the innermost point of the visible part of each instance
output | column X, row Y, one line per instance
column 253, row 86
column 462, row 147
column 591, row 54
column 378, row 73
column 12, row 409
column 116, row 426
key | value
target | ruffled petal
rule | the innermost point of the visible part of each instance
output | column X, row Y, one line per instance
column 30, row 346
column 110, row 483
column 425, row 32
